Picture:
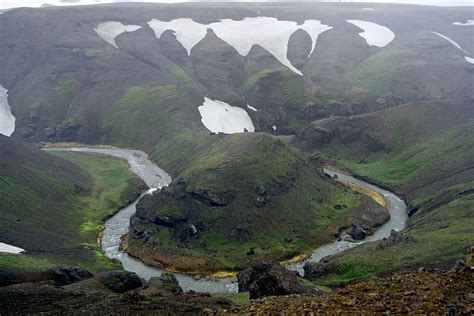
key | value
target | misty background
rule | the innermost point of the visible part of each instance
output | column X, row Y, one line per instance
column 8, row 4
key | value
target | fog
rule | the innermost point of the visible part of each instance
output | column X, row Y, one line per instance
column 8, row 4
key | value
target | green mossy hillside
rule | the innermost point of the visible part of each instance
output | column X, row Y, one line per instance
column 437, row 180
column 54, row 205
column 162, row 120
column 249, row 191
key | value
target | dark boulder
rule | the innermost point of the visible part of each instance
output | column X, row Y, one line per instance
column 314, row 270
column 120, row 281
column 63, row 275
column 165, row 285
column 269, row 279
column 357, row 232
column 395, row 238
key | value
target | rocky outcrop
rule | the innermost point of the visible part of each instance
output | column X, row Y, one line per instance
column 211, row 198
column 59, row 275
column 151, row 211
column 219, row 68
column 63, row 275
column 314, row 270
column 269, row 279
column 165, row 285
column 395, row 238
column 339, row 129
column 120, row 281
column 357, row 232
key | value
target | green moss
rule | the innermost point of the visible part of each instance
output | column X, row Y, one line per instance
column 59, row 210
column 64, row 93
column 180, row 74
column 420, row 162
column 379, row 72
column 110, row 178
column 24, row 261
column 237, row 298
column 151, row 118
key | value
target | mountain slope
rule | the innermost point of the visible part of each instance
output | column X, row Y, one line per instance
column 87, row 77
column 58, row 205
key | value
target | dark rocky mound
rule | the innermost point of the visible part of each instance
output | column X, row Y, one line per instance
column 59, row 275
column 357, row 232
column 270, row 279
column 166, row 284
column 120, row 281
column 314, row 270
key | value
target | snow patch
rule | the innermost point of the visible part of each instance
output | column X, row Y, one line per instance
column 469, row 59
column 368, row 9
column 187, row 32
column 270, row 33
column 468, row 22
column 274, row 127
column 452, row 42
column 374, row 34
column 7, row 120
column 108, row 31
column 252, row 108
column 9, row 248
column 220, row 117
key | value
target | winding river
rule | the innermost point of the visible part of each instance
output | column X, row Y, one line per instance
column 156, row 178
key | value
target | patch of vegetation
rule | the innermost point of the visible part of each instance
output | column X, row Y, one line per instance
column 237, row 298
column 380, row 72
column 24, row 261
column 152, row 118
column 180, row 74
column 111, row 183
column 420, row 163
column 59, row 205
column 65, row 91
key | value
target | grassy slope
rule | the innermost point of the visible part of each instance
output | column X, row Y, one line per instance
column 156, row 119
column 441, row 229
column 378, row 73
column 59, row 209
column 302, row 203
column 416, row 165
column 283, row 88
